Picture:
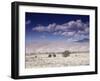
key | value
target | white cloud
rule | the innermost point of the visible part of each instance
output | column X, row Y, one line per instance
column 64, row 33
column 51, row 27
column 39, row 29
column 57, row 33
column 28, row 21
column 72, row 28
column 71, row 33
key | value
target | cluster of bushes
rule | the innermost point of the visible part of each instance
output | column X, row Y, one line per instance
column 52, row 55
column 66, row 53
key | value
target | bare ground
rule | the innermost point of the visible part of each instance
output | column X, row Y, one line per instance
column 38, row 61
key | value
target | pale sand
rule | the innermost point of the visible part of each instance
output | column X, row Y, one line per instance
column 42, row 60
column 77, row 59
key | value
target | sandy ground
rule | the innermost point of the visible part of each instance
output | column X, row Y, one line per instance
column 42, row 60
column 37, row 61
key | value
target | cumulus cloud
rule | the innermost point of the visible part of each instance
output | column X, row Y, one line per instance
column 69, row 29
column 40, row 29
column 28, row 21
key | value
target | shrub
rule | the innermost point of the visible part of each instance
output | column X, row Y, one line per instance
column 54, row 55
column 49, row 55
column 66, row 53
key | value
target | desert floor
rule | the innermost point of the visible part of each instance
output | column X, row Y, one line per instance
column 38, row 61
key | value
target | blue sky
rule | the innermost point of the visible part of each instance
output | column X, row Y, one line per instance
column 56, row 27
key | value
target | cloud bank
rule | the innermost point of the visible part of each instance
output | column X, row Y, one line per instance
column 72, row 29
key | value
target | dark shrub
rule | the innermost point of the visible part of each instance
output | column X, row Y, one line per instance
column 54, row 55
column 66, row 53
column 35, row 56
column 49, row 55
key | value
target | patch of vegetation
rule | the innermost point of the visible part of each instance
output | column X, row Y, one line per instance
column 66, row 53
column 54, row 55
column 49, row 55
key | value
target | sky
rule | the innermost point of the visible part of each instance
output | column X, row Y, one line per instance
column 56, row 27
